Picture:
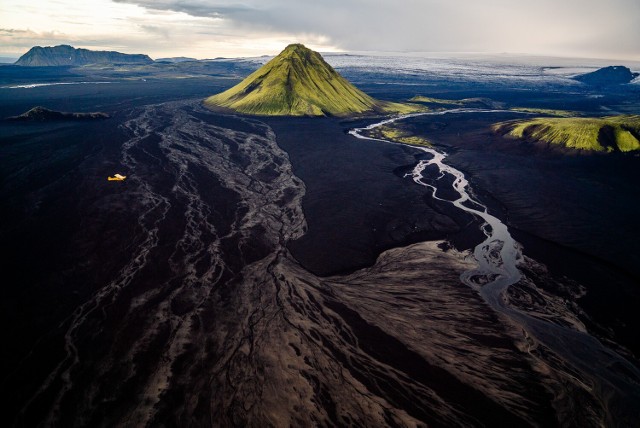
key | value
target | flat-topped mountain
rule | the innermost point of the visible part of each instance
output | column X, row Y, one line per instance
column 298, row 82
column 613, row 75
column 39, row 56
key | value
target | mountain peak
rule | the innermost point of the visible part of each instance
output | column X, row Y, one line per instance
column 297, row 47
column 297, row 82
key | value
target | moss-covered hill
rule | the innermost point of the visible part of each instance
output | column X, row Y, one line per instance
column 604, row 134
column 298, row 82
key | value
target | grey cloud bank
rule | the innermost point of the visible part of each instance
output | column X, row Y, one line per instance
column 576, row 28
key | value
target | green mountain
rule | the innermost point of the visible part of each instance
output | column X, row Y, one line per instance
column 602, row 134
column 48, row 56
column 298, row 82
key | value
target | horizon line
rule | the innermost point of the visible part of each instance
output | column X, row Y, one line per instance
column 353, row 52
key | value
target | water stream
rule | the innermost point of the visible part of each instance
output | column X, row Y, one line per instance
column 498, row 258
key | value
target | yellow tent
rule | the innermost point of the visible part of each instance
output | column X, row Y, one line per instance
column 117, row 177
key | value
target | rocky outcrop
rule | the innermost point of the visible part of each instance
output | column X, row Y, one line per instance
column 41, row 114
column 613, row 75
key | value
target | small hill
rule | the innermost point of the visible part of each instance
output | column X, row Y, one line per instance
column 49, row 56
column 42, row 114
column 613, row 75
column 298, row 82
column 606, row 134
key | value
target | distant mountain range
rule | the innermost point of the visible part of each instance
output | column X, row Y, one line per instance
column 39, row 56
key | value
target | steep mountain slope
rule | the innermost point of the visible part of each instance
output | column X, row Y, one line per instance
column 298, row 82
column 38, row 56
column 611, row 133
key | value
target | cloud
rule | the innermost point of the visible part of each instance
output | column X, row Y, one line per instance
column 578, row 27
column 196, row 8
column 156, row 29
column 23, row 40
column 205, row 28
column 29, row 38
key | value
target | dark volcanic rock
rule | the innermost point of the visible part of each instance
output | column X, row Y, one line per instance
column 38, row 56
column 612, row 75
column 42, row 114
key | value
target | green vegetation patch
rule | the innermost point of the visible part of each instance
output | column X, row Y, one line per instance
column 401, row 108
column 625, row 140
column 430, row 100
column 400, row 135
column 605, row 134
column 549, row 112
column 298, row 82
column 485, row 103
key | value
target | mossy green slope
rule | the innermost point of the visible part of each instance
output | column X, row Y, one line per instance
column 298, row 82
column 611, row 133
column 440, row 101
column 546, row 111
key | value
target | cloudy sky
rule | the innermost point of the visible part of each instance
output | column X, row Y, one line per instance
column 213, row 28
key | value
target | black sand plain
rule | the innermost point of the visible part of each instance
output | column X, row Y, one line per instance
column 288, row 317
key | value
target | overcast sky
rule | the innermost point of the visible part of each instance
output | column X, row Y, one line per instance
column 213, row 28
